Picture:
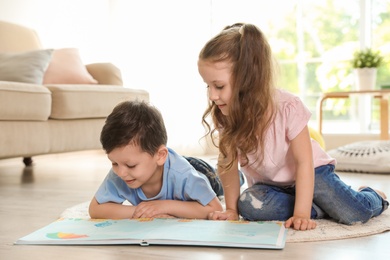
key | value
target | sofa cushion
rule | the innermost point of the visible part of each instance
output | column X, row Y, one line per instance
column 23, row 101
column 363, row 156
column 89, row 101
column 18, row 38
column 28, row 67
column 66, row 67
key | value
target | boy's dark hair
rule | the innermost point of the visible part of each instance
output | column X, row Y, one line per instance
column 135, row 122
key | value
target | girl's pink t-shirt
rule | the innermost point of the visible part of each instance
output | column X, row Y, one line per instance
column 278, row 166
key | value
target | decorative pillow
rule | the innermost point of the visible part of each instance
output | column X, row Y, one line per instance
column 365, row 156
column 314, row 134
column 28, row 67
column 66, row 67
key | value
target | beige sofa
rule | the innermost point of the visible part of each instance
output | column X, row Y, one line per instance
column 37, row 119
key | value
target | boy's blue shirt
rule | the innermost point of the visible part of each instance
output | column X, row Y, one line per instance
column 180, row 182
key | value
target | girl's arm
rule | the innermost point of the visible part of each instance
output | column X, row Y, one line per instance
column 304, row 185
column 231, row 189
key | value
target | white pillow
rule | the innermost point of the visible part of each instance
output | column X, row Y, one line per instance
column 364, row 156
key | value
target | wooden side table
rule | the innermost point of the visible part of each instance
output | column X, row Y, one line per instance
column 383, row 95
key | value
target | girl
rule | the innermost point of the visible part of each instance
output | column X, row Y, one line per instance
column 265, row 130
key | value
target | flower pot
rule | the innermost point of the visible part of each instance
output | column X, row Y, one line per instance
column 365, row 78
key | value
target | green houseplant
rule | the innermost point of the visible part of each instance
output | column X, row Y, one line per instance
column 367, row 58
column 365, row 63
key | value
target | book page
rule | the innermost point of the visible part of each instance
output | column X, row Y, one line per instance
column 160, row 231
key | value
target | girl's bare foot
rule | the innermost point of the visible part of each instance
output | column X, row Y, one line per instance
column 381, row 193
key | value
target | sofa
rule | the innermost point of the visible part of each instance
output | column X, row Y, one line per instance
column 46, row 109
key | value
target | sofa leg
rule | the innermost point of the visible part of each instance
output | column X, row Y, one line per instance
column 27, row 161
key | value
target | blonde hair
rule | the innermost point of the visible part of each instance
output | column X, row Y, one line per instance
column 252, row 105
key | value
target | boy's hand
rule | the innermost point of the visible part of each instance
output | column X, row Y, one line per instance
column 223, row 215
column 164, row 216
column 299, row 223
column 149, row 209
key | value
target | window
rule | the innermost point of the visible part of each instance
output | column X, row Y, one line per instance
column 314, row 42
column 315, row 46
column 158, row 42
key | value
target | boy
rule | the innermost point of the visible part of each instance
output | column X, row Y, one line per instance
column 153, row 178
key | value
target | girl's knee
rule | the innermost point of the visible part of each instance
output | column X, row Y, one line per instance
column 257, row 204
column 249, row 206
column 250, row 200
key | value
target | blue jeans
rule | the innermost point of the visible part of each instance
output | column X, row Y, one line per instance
column 332, row 199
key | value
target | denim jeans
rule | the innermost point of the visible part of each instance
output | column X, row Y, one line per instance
column 332, row 199
column 211, row 173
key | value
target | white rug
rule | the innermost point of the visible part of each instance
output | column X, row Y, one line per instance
column 326, row 229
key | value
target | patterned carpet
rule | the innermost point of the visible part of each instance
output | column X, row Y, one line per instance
column 326, row 229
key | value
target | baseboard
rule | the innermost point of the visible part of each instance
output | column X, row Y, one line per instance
column 332, row 141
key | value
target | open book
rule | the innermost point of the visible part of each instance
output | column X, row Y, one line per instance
column 144, row 232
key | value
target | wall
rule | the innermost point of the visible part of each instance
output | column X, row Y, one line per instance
column 65, row 23
column 154, row 43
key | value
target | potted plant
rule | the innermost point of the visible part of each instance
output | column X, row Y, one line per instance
column 365, row 63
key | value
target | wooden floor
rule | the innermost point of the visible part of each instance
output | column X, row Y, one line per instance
column 33, row 197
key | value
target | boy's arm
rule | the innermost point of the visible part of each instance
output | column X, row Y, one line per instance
column 110, row 210
column 154, row 208
column 176, row 208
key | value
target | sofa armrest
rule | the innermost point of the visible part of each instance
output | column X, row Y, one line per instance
column 105, row 73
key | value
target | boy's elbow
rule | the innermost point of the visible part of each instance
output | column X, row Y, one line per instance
column 91, row 212
column 92, row 209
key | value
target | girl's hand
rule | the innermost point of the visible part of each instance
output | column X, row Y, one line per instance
column 299, row 223
column 223, row 215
